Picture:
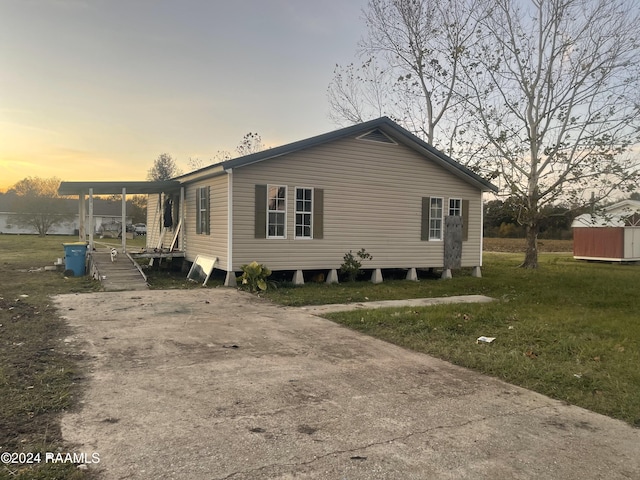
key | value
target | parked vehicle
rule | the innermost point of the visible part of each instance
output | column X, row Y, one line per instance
column 140, row 229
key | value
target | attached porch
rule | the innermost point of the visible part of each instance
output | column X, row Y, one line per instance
column 165, row 236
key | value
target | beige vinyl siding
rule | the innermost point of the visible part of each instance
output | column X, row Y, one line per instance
column 154, row 220
column 372, row 199
column 214, row 244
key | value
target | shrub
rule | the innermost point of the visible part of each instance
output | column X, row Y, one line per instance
column 351, row 265
column 254, row 277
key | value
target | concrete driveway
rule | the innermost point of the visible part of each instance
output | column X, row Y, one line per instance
column 218, row 384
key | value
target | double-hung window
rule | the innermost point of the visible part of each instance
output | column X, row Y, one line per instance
column 276, row 211
column 202, row 210
column 304, row 212
column 435, row 218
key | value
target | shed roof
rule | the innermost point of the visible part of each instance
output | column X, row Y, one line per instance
column 383, row 124
column 615, row 215
column 109, row 188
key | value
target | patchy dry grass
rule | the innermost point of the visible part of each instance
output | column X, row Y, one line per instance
column 38, row 375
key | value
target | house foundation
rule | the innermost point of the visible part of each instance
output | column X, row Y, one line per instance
column 332, row 277
column 298, row 278
column 376, row 276
column 230, row 280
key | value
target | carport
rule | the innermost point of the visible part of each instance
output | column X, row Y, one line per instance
column 91, row 188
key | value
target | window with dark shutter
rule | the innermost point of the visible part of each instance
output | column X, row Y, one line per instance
column 318, row 213
column 304, row 213
column 424, row 224
column 465, row 220
column 260, row 222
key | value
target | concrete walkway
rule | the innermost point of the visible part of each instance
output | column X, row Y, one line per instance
column 219, row 384
column 412, row 302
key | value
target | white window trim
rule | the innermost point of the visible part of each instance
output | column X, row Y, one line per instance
column 460, row 202
column 295, row 213
column 431, row 218
column 286, row 192
column 202, row 212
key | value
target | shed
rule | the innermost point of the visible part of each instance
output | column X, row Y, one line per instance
column 302, row 206
column 611, row 235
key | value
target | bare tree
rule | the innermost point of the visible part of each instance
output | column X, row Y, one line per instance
column 541, row 96
column 38, row 205
column 250, row 143
column 164, row 168
column 412, row 57
column 554, row 93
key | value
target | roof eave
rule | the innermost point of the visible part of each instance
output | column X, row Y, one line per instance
column 111, row 188
column 384, row 123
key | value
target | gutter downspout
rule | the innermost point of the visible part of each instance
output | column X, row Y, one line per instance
column 230, row 280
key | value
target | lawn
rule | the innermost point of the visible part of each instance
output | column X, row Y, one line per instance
column 570, row 330
column 38, row 374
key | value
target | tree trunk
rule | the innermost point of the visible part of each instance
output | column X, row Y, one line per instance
column 531, row 253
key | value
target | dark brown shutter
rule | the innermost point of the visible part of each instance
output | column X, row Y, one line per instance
column 260, row 221
column 465, row 220
column 318, row 213
column 198, row 224
column 208, row 214
column 424, row 226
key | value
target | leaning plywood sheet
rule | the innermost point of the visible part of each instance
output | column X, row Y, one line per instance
column 201, row 269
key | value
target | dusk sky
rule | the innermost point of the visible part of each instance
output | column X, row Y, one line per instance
column 97, row 89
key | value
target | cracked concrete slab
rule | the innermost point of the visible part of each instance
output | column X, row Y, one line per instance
column 219, row 384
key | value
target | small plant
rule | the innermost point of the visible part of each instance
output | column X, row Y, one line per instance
column 254, row 277
column 353, row 263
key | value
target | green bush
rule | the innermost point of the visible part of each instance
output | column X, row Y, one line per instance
column 352, row 265
column 254, row 277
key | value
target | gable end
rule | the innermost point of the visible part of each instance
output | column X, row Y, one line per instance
column 377, row 135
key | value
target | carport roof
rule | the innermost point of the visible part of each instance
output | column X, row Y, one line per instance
column 108, row 188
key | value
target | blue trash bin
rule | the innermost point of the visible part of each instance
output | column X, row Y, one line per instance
column 75, row 255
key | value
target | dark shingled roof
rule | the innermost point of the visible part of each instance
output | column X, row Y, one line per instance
column 382, row 124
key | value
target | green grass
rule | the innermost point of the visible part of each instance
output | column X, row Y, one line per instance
column 570, row 330
column 38, row 375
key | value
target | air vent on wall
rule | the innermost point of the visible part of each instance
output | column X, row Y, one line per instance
column 377, row 136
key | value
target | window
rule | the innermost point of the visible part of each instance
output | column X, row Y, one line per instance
column 455, row 207
column 435, row 218
column 276, row 211
column 304, row 212
column 202, row 210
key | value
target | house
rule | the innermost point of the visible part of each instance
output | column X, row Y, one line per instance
column 302, row 206
column 106, row 213
column 611, row 235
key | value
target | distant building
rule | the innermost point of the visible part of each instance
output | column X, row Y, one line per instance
column 105, row 213
column 611, row 235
